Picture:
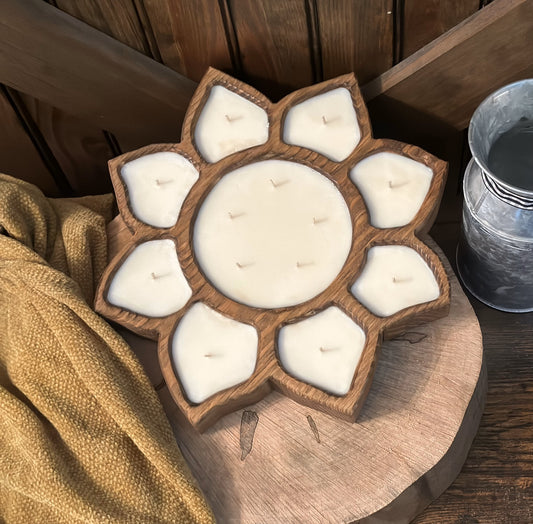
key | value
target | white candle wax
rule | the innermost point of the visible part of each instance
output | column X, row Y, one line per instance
column 150, row 281
column 157, row 186
column 393, row 187
column 322, row 350
column 326, row 123
column 394, row 277
column 212, row 352
column 229, row 123
column 273, row 234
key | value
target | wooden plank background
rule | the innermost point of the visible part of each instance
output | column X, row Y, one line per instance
column 276, row 45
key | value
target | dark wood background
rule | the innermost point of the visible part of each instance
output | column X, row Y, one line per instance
column 85, row 80
column 276, row 45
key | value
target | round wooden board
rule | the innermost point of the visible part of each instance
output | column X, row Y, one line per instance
column 279, row 461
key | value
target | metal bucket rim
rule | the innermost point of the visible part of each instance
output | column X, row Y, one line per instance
column 513, row 189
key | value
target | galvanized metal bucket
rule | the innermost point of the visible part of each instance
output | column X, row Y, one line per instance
column 495, row 251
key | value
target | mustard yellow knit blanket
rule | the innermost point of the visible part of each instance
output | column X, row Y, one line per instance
column 83, row 437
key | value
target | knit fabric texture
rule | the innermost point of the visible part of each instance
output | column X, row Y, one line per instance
column 83, row 436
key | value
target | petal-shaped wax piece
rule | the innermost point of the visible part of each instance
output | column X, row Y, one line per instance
column 229, row 123
column 150, row 281
column 212, row 352
column 393, row 187
column 394, row 277
column 322, row 350
column 157, row 186
column 325, row 123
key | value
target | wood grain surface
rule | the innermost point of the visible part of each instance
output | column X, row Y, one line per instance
column 448, row 78
column 116, row 18
column 79, row 70
column 269, row 373
column 190, row 35
column 278, row 45
column 424, row 21
column 283, row 462
column 81, row 149
column 273, row 41
column 18, row 155
column 356, row 37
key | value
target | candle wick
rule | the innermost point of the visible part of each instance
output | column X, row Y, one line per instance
column 324, row 350
column 319, row 220
column 162, row 182
column 155, row 276
column 278, row 184
column 326, row 121
column 397, row 280
column 399, row 184
column 303, row 264
column 242, row 266
column 210, row 355
column 232, row 118
column 237, row 215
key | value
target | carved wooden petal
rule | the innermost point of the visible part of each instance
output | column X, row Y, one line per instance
column 394, row 278
column 150, row 281
column 322, row 350
column 242, row 125
column 325, row 119
column 157, row 186
column 393, row 187
column 212, row 352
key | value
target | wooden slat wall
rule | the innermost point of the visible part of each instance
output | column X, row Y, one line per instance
column 425, row 21
column 116, row 18
column 277, row 45
column 81, row 149
column 356, row 36
column 274, row 44
column 457, row 71
column 19, row 157
column 184, row 43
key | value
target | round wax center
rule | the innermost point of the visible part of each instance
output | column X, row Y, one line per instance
column 273, row 234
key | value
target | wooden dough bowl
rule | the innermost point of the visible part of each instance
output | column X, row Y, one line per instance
column 269, row 373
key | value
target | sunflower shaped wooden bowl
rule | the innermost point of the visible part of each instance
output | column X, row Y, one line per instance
column 275, row 246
